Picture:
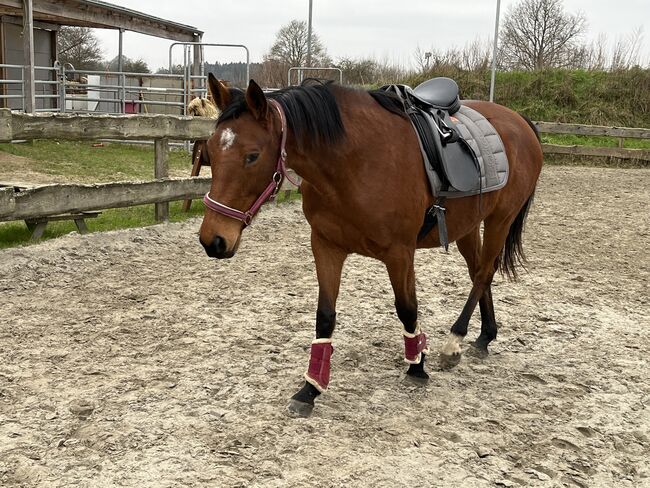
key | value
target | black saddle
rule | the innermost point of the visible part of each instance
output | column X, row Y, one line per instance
column 441, row 93
column 444, row 151
column 429, row 107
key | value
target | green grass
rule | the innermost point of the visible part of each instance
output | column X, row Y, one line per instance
column 616, row 98
column 596, row 141
column 16, row 233
column 80, row 161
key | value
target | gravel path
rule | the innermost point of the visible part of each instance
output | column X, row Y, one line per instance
column 130, row 359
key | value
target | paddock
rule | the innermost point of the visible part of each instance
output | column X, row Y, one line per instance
column 131, row 359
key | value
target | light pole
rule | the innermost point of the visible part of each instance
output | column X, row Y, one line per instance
column 494, row 51
column 309, row 36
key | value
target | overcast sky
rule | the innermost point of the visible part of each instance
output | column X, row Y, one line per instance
column 384, row 29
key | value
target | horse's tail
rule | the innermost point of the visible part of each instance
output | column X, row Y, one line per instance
column 512, row 254
column 532, row 126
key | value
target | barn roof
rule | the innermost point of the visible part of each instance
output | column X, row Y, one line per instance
column 98, row 14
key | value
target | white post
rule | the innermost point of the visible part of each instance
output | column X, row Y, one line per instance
column 28, row 52
column 309, row 36
column 494, row 51
column 120, row 68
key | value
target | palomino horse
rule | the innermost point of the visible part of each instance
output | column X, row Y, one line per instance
column 199, row 107
column 364, row 191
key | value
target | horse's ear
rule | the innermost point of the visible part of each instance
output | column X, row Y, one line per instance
column 219, row 92
column 256, row 100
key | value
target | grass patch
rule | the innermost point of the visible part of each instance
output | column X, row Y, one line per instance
column 80, row 161
column 16, row 233
column 595, row 141
column 615, row 98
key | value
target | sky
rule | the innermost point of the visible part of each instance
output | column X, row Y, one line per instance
column 388, row 30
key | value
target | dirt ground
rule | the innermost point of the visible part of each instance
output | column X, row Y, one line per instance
column 131, row 359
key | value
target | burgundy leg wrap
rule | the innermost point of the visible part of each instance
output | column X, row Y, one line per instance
column 414, row 345
column 318, row 373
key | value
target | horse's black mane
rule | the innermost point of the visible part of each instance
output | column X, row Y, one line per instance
column 312, row 111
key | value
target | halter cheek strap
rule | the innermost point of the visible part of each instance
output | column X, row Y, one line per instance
column 272, row 188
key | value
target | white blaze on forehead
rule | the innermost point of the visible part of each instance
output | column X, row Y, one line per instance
column 227, row 138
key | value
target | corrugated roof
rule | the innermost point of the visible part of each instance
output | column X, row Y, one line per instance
column 135, row 13
column 99, row 14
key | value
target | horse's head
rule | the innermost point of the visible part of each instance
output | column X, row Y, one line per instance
column 243, row 151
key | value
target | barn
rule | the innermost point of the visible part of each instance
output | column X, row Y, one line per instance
column 28, row 77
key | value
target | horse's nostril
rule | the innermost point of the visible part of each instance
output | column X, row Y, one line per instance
column 216, row 249
column 219, row 245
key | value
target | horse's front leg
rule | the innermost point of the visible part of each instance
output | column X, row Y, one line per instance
column 401, row 271
column 329, row 263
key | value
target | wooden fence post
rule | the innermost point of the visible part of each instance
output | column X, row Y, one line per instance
column 161, row 170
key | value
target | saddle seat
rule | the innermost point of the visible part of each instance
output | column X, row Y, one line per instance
column 441, row 93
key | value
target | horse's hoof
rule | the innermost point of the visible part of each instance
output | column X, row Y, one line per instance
column 300, row 409
column 417, row 380
column 479, row 350
column 448, row 361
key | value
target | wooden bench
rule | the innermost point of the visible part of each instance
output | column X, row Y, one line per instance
column 37, row 226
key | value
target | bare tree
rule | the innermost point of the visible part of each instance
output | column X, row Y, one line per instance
column 422, row 59
column 80, row 47
column 476, row 55
column 128, row 65
column 626, row 52
column 539, row 34
column 177, row 69
column 359, row 71
column 290, row 46
column 596, row 53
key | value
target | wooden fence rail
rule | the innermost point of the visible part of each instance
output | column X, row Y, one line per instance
column 57, row 199
column 592, row 130
column 43, row 201
column 602, row 152
column 16, row 126
column 596, row 130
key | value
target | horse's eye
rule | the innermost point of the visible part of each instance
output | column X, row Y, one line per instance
column 251, row 158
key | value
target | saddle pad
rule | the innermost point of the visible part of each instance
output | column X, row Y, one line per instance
column 486, row 143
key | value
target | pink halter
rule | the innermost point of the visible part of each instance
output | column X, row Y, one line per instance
column 270, row 191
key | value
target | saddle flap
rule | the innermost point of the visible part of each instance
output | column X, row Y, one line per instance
column 460, row 166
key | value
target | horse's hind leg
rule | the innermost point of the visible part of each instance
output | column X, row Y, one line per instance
column 401, row 271
column 470, row 247
column 496, row 232
column 329, row 264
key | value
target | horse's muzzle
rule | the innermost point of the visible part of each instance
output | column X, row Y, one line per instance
column 217, row 248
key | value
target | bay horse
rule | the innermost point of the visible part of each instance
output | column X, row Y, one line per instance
column 364, row 191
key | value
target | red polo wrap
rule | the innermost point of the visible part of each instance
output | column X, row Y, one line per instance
column 319, row 364
column 414, row 346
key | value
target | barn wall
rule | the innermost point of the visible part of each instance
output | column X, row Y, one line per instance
column 43, row 56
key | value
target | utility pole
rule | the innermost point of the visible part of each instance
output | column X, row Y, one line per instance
column 309, row 35
column 494, row 51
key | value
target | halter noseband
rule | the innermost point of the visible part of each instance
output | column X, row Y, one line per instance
column 270, row 191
